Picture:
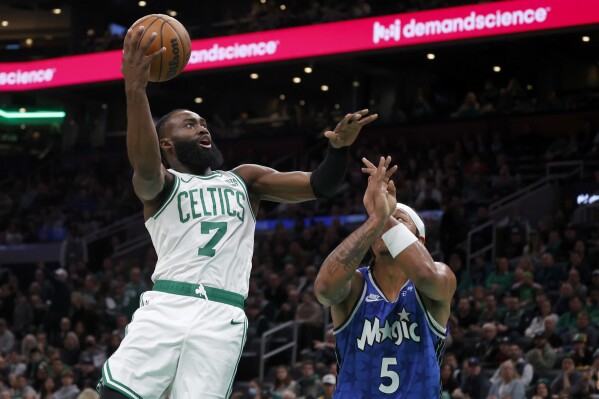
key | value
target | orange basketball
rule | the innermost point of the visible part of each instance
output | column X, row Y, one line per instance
column 170, row 34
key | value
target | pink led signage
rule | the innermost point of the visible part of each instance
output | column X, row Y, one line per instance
column 491, row 19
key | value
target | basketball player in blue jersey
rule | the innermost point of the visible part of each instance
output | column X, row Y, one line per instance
column 389, row 317
column 186, row 338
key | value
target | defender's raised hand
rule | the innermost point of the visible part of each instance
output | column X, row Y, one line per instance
column 370, row 169
column 375, row 197
column 136, row 64
column 347, row 130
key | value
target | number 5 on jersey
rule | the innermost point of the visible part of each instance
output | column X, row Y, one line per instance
column 206, row 228
column 385, row 372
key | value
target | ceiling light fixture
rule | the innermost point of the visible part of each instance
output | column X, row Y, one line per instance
column 297, row 79
column 254, row 76
column 496, row 68
column 56, row 11
column 430, row 56
column 198, row 100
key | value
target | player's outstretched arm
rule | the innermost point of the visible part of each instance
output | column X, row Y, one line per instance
column 142, row 141
column 271, row 185
column 433, row 279
column 333, row 283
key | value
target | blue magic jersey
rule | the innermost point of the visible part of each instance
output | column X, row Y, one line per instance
column 389, row 349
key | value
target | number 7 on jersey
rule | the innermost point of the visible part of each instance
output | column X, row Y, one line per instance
column 206, row 228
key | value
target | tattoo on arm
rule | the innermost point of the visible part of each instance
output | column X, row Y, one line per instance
column 351, row 251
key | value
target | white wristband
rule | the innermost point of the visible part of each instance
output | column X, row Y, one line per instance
column 398, row 238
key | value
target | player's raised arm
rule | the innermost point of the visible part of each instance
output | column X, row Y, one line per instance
column 143, row 147
column 268, row 184
column 333, row 283
column 405, row 241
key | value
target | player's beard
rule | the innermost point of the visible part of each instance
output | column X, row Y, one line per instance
column 196, row 158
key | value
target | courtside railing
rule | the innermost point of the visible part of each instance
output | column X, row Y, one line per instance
column 291, row 345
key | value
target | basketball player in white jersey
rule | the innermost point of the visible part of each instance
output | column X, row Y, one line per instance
column 186, row 338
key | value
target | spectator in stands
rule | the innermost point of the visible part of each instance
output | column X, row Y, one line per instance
column 524, row 369
column 324, row 352
column 465, row 316
column 515, row 244
column 448, row 381
column 541, row 390
column 562, row 305
column 512, row 321
column 23, row 315
column 595, row 277
column 309, row 314
column 60, row 299
column 542, row 357
column 461, row 274
column 490, row 313
column 475, row 385
column 68, row 390
column 7, row 338
column 581, row 354
column 289, row 308
column 537, row 324
column 58, row 338
column 15, row 363
column 274, row 291
column 88, row 393
column 70, row 351
column 310, row 383
column 535, row 247
column 554, row 245
column 22, row 387
column 592, row 305
column 579, row 270
column 583, row 326
column 526, row 289
column 567, row 321
column 488, row 348
column 500, row 280
column 554, row 339
column 509, row 385
column 548, row 274
column 283, row 380
column 328, row 386
column 88, row 374
column 255, row 390
column 470, row 108
column 567, row 379
column 93, row 351
column 429, row 197
column 48, row 388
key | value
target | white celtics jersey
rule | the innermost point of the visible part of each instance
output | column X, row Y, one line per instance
column 204, row 232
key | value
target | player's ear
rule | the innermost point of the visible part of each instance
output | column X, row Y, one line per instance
column 166, row 144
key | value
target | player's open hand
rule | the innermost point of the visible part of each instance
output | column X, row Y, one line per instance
column 136, row 64
column 369, row 168
column 375, row 197
column 347, row 130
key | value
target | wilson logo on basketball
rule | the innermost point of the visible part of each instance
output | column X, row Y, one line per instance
column 173, row 64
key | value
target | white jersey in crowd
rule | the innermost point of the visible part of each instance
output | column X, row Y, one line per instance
column 204, row 232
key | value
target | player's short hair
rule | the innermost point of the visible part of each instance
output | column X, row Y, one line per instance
column 162, row 121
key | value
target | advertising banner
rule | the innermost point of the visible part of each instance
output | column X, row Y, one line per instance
column 361, row 35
